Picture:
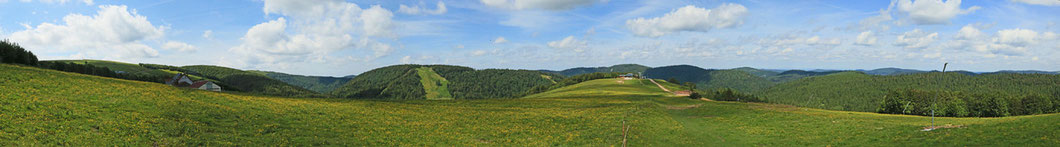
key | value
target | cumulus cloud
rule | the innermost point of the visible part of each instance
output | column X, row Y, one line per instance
column 689, row 18
column 478, row 52
column 500, row 40
column 866, row 38
column 416, row 10
column 816, row 40
column 925, row 12
column 179, row 46
column 569, row 43
column 1040, row 2
column 915, row 39
column 968, row 32
column 114, row 32
column 1007, row 42
column 311, row 30
column 538, row 4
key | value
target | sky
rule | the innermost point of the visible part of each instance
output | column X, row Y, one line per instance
column 344, row 37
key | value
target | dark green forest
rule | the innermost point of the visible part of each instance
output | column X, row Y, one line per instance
column 12, row 53
column 402, row 82
column 856, row 91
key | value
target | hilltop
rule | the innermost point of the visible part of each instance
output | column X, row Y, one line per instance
column 46, row 107
column 621, row 68
column 442, row 82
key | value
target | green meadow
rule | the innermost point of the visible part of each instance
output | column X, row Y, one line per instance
column 43, row 107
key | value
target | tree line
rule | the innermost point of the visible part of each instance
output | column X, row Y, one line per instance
column 12, row 53
column 961, row 104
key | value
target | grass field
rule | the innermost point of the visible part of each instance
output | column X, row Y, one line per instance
column 46, row 107
column 436, row 87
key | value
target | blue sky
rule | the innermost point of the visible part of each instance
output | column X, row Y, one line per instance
column 336, row 38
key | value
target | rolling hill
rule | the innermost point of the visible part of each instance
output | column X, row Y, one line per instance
column 738, row 79
column 247, row 81
column 51, row 108
column 319, row 84
column 442, row 82
column 856, row 91
column 892, row 71
column 627, row 68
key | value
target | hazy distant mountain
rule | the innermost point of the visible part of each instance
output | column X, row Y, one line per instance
column 892, row 71
column 1026, row 72
column 630, row 68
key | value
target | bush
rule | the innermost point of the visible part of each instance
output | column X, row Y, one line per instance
column 733, row 95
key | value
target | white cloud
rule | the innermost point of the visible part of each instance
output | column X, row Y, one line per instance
column 179, row 46
column 816, row 40
column 459, row 46
column 866, row 38
column 924, row 12
column 311, row 31
column 915, row 39
column 968, row 32
column 378, row 22
column 538, row 4
column 569, row 43
column 114, row 32
column 406, row 60
column 1040, row 2
column 689, row 18
column 500, row 40
column 416, row 10
column 478, row 52
column 1017, row 37
column 208, row 34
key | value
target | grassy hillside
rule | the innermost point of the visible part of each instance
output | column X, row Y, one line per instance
column 249, row 81
column 317, row 84
column 50, row 108
column 407, row 82
column 857, row 91
column 119, row 66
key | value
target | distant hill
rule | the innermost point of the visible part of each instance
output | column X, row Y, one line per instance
column 739, row 79
column 757, row 72
column 1024, row 72
column 892, row 71
column 120, row 67
column 247, row 81
column 858, row 91
column 630, row 68
column 442, row 82
column 319, row 84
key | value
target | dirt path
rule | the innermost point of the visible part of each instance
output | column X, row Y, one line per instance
column 660, row 85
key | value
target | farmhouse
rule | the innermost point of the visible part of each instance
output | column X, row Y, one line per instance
column 182, row 80
column 628, row 76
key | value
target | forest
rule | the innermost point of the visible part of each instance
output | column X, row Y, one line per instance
column 403, row 82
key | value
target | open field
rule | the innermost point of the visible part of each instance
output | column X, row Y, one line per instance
column 46, row 107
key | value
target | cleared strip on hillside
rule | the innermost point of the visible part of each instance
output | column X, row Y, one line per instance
column 436, row 87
